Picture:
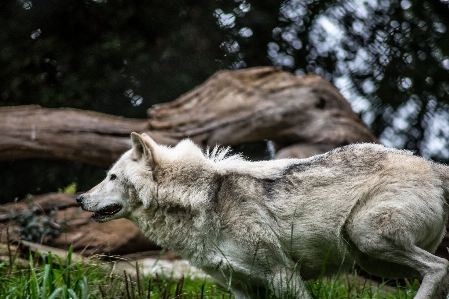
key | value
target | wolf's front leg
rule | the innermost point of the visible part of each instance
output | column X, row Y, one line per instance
column 287, row 283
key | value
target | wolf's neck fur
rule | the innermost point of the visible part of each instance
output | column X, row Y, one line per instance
column 180, row 216
column 168, row 229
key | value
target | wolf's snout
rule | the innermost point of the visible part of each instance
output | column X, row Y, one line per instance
column 79, row 199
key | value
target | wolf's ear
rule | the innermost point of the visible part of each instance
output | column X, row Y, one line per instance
column 143, row 148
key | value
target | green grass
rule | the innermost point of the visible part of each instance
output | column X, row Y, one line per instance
column 352, row 286
column 48, row 276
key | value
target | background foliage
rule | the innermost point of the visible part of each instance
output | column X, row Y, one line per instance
column 390, row 58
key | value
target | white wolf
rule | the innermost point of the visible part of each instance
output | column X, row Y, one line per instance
column 253, row 225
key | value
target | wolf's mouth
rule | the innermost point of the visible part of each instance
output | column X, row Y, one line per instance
column 106, row 212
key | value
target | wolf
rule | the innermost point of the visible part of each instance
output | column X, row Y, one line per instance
column 274, row 224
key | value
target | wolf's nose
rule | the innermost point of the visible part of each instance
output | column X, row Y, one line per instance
column 79, row 199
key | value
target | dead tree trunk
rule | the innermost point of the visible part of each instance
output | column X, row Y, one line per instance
column 85, row 136
column 301, row 115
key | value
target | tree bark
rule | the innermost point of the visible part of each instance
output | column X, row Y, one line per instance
column 301, row 115
column 306, row 114
column 84, row 136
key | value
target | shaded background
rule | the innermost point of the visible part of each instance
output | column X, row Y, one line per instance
column 389, row 58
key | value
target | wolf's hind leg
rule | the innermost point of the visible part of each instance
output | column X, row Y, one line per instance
column 400, row 233
column 431, row 269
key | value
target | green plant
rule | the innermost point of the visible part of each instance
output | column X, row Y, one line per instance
column 46, row 277
column 49, row 276
column 70, row 189
column 57, row 280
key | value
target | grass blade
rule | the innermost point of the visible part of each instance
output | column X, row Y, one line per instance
column 55, row 293
column 69, row 265
column 34, row 285
column 45, row 283
column 72, row 294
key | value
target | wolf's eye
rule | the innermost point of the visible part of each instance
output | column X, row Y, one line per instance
column 112, row 177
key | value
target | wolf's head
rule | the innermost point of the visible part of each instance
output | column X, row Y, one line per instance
column 118, row 194
column 151, row 173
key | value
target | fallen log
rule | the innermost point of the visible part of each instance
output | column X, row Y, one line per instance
column 306, row 114
column 301, row 115
column 77, row 135
column 74, row 227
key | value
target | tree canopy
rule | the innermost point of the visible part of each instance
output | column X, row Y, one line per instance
column 390, row 58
